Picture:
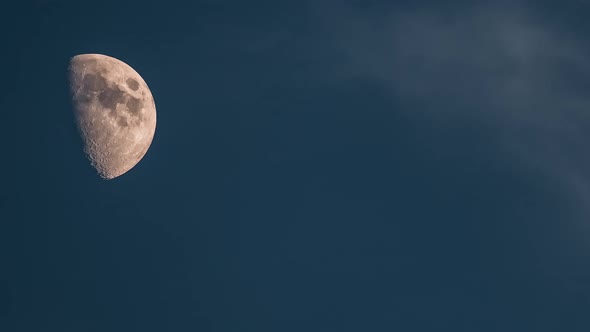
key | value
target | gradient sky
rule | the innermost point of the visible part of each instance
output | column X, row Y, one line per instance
column 317, row 166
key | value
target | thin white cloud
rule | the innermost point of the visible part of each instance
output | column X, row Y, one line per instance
column 503, row 66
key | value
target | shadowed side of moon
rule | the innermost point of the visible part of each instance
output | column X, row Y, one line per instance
column 114, row 110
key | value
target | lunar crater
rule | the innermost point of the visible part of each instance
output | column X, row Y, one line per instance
column 93, row 82
column 134, row 106
column 132, row 84
column 122, row 122
column 110, row 97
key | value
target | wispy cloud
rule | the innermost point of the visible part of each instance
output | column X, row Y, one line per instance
column 500, row 65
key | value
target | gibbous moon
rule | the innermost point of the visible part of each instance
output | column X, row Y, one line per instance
column 114, row 111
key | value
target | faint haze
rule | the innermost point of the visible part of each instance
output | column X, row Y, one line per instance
column 321, row 165
column 500, row 67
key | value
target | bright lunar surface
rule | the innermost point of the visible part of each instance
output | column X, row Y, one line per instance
column 114, row 111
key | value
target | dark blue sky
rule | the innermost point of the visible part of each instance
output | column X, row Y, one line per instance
column 317, row 166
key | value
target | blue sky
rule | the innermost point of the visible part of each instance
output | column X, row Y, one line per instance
column 317, row 166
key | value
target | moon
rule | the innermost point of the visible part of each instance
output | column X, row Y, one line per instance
column 114, row 112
